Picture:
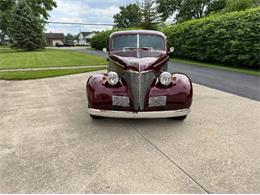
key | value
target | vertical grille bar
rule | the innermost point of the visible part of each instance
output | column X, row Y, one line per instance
column 139, row 85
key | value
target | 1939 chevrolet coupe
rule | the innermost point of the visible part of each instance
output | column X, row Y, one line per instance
column 137, row 84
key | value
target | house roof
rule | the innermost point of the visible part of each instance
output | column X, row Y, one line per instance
column 54, row 35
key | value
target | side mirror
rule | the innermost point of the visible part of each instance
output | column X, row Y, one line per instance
column 171, row 50
column 105, row 50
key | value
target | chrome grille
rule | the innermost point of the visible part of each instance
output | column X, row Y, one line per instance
column 139, row 84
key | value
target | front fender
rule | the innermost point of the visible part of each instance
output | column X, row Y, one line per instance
column 179, row 94
column 100, row 93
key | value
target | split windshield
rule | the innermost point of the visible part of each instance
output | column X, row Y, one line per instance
column 123, row 42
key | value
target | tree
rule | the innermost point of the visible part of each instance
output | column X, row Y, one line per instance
column 150, row 17
column 129, row 16
column 76, row 37
column 187, row 9
column 69, row 37
column 42, row 7
column 215, row 6
column 239, row 5
column 26, row 29
column 137, row 15
column 6, row 7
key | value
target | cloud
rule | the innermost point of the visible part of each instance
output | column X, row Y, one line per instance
column 87, row 11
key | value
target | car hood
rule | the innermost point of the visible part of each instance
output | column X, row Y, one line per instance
column 139, row 60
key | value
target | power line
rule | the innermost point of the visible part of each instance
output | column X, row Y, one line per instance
column 81, row 23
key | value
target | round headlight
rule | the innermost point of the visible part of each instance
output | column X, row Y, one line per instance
column 165, row 78
column 112, row 78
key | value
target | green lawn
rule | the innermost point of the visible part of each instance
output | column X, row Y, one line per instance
column 217, row 66
column 11, row 59
column 25, row 75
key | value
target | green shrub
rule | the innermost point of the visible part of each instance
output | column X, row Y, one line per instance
column 232, row 38
column 99, row 41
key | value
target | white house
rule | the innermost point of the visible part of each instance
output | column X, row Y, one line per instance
column 6, row 40
column 85, row 37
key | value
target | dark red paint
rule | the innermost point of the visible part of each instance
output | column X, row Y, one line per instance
column 179, row 93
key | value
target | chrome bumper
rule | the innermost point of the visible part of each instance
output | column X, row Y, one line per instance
column 149, row 114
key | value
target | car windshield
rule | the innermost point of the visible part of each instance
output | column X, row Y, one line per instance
column 122, row 42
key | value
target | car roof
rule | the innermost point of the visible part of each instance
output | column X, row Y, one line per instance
column 152, row 32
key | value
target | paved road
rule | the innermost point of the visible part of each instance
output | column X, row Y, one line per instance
column 232, row 82
column 49, row 144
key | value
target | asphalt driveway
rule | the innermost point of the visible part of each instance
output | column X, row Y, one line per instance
column 229, row 81
column 49, row 144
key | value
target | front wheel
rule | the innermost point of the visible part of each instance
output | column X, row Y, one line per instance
column 95, row 117
column 180, row 118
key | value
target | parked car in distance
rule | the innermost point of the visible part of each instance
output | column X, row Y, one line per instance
column 69, row 44
column 137, row 83
column 59, row 44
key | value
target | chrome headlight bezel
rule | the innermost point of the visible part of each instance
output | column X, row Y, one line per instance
column 165, row 78
column 112, row 78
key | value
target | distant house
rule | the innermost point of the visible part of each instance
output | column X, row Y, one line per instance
column 6, row 40
column 53, row 38
column 85, row 37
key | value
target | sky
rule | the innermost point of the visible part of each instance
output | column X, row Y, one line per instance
column 87, row 11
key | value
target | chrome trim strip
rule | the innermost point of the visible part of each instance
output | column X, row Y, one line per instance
column 138, row 41
column 116, row 63
column 166, row 59
column 150, row 114
column 137, row 72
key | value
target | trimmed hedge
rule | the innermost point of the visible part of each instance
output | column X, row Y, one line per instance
column 232, row 39
column 99, row 41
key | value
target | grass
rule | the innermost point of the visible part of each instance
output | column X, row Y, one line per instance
column 12, row 59
column 91, row 48
column 218, row 66
column 26, row 75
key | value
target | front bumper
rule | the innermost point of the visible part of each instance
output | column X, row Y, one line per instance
column 150, row 114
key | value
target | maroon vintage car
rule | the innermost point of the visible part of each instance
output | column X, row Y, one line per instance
column 137, row 84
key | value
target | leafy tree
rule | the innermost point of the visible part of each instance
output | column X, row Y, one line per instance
column 238, row 5
column 187, row 9
column 26, row 29
column 76, row 37
column 129, row 16
column 137, row 15
column 150, row 17
column 215, row 6
column 42, row 7
column 69, row 37
column 5, row 13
